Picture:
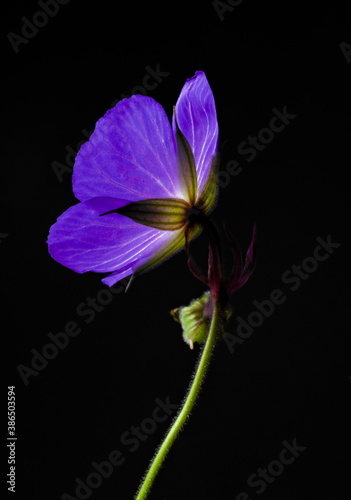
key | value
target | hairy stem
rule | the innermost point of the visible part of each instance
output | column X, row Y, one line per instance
column 216, row 328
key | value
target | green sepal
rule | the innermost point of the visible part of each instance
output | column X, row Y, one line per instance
column 208, row 197
column 187, row 167
column 168, row 214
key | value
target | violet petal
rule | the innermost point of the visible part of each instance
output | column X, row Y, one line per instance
column 84, row 240
column 131, row 154
column 197, row 119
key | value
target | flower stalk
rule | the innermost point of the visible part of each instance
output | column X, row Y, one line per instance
column 215, row 332
column 220, row 289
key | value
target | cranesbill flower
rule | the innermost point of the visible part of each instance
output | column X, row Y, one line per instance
column 140, row 180
column 145, row 189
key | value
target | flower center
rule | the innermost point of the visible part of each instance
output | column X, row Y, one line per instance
column 195, row 215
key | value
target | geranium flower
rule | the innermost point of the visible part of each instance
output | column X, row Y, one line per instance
column 140, row 180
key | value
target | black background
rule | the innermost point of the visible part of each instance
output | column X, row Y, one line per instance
column 288, row 380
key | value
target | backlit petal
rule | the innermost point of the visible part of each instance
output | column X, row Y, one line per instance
column 131, row 154
column 196, row 116
column 84, row 240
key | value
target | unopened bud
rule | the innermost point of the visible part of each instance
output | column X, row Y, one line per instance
column 195, row 319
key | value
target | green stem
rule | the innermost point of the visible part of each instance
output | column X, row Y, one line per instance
column 193, row 392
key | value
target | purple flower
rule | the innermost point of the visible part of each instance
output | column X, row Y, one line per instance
column 140, row 181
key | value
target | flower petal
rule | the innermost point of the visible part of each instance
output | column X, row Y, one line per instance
column 131, row 154
column 197, row 119
column 83, row 240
